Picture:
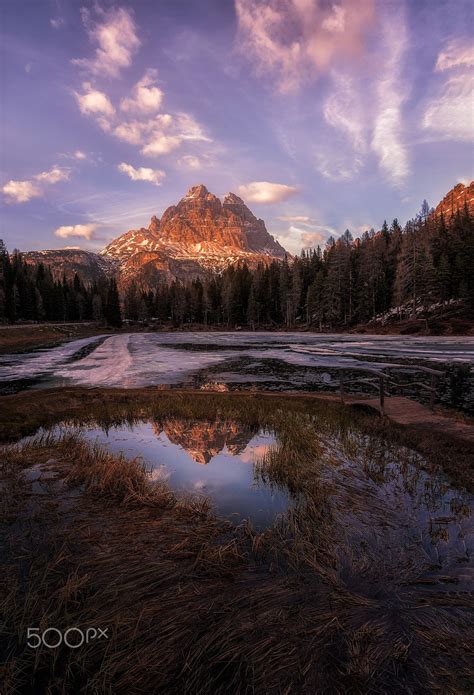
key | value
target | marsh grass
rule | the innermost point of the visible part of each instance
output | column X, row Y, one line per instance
column 196, row 605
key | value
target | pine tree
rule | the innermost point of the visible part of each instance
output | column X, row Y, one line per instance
column 112, row 313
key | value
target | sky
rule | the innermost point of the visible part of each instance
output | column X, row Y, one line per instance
column 322, row 115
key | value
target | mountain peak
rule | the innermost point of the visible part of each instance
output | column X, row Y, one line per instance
column 196, row 236
column 232, row 199
column 199, row 191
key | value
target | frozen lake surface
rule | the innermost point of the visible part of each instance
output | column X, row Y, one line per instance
column 213, row 359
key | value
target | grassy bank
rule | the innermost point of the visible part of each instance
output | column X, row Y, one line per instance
column 23, row 413
column 21, row 338
column 195, row 605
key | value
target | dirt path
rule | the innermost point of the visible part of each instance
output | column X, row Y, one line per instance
column 405, row 411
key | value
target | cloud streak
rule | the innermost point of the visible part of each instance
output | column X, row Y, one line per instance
column 387, row 140
column 449, row 113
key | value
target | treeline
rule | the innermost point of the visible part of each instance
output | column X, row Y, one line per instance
column 348, row 282
column 30, row 293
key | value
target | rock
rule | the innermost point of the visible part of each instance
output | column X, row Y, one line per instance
column 455, row 200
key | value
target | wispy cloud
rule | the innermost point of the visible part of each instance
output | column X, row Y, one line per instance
column 294, row 42
column 266, row 192
column 86, row 231
column 154, row 176
column 457, row 53
column 190, row 161
column 116, row 37
column 23, row 191
column 338, row 164
column 302, row 219
column 388, row 140
column 57, row 22
column 449, row 112
column 342, row 110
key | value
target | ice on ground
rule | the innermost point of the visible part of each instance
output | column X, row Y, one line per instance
column 150, row 359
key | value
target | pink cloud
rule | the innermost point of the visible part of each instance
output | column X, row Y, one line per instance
column 296, row 41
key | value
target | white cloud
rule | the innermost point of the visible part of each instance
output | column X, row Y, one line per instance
column 190, row 161
column 54, row 175
column 147, row 97
column 450, row 114
column 161, row 134
column 23, row 191
column 78, row 154
column 97, row 104
column 160, row 143
column 296, row 41
column 154, row 176
column 266, row 192
column 457, row 53
column 117, row 40
column 76, row 230
column 28, row 67
column 387, row 140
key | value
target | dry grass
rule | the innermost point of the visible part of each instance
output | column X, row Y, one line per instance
column 195, row 605
column 19, row 338
column 24, row 413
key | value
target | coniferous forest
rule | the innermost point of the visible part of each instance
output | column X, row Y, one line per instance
column 348, row 282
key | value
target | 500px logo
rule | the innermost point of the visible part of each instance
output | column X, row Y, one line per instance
column 73, row 637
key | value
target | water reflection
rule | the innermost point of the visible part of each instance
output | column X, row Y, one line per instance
column 210, row 458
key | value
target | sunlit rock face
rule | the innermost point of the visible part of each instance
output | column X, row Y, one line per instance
column 198, row 236
column 204, row 440
column 456, row 199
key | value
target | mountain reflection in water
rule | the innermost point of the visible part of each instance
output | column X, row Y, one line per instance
column 224, row 450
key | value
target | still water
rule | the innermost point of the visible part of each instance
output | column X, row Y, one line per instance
column 383, row 504
column 212, row 459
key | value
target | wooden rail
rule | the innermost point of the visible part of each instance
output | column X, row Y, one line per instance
column 380, row 378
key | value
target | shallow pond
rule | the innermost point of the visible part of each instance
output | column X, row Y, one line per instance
column 384, row 506
column 205, row 459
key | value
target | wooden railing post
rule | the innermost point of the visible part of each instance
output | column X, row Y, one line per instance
column 382, row 395
column 433, row 391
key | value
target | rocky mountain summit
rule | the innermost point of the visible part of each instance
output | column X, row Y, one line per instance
column 197, row 236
